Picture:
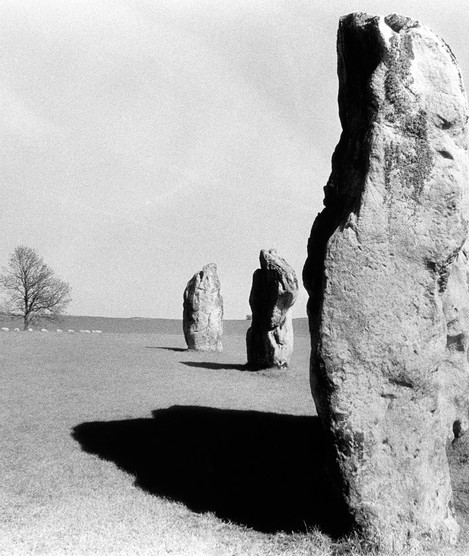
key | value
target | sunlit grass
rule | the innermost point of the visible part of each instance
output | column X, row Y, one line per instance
column 56, row 498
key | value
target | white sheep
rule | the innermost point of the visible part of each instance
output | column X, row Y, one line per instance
column 44, row 330
column 5, row 329
column 30, row 330
column 17, row 329
column 96, row 331
column 59, row 331
column 70, row 331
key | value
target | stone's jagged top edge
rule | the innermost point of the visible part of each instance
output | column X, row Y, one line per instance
column 271, row 256
column 268, row 254
column 394, row 21
column 270, row 260
column 400, row 22
column 210, row 267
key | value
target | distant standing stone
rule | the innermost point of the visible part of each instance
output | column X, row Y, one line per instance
column 203, row 311
column 387, row 276
column 274, row 290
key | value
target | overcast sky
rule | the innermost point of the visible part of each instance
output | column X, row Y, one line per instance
column 142, row 139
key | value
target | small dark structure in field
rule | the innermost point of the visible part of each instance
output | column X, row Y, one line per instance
column 387, row 279
column 203, row 311
column 274, row 290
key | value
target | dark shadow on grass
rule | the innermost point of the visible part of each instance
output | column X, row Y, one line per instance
column 166, row 348
column 262, row 470
column 215, row 366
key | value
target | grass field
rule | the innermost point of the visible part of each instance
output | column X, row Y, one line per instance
column 128, row 444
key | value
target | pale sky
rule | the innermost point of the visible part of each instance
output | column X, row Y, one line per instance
column 143, row 139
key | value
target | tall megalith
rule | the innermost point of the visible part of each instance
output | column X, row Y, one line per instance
column 387, row 278
column 203, row 311
column 274, row 290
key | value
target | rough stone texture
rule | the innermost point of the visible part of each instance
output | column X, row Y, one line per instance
column 453, row 375
column 274, row 290
column 203, row 311
column 387, row 278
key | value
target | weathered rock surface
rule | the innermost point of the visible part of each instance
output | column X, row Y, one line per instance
column 274, row 290
column 453, row 372
column 203, row 311
column 387, row 278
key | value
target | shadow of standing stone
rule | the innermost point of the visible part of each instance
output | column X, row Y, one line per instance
column 262, row 470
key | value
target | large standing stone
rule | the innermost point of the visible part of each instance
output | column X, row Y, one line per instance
column 387, row 279
column 203, row 311
column 274, row 291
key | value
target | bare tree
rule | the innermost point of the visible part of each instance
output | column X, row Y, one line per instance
column 32, row 290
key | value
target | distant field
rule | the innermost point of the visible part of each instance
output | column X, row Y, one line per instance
column 138, row 325
column 128, row 444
